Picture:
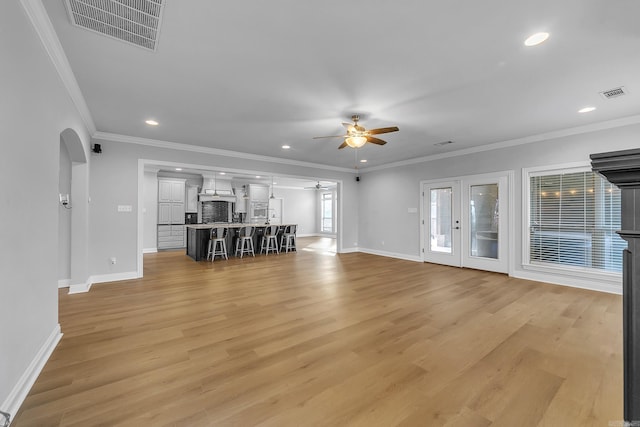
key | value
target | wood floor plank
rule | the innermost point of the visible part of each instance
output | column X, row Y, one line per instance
column 314, row 338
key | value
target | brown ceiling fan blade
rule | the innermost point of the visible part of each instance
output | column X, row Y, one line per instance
column 344, row 144
column 332, row 136
column 375, row 140
column 383, row 130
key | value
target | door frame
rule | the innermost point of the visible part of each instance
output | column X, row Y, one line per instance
column 510, row 211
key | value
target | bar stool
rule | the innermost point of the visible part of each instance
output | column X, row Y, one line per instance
column 218, row 243
column 270, row 240
column 288, row 239
column 244, row 244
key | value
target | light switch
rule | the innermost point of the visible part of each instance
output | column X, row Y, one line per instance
column 125, row 208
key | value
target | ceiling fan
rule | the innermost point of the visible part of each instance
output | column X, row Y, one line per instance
column 317, row 187
column 357, row 135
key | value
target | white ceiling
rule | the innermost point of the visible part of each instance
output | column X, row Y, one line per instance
column 250, row 76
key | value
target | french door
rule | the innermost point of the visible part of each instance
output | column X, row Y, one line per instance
column 465, row 222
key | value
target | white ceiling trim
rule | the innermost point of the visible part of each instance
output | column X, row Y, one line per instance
column 609, row 124
column 114, row 137
column 38, row 15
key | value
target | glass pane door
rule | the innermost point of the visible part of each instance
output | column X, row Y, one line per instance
column 441, row 222
column 484, row 217
column 441, row 219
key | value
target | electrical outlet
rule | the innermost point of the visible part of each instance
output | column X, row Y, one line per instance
column 112, row 260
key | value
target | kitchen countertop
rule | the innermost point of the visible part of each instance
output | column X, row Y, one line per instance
column 230, row 225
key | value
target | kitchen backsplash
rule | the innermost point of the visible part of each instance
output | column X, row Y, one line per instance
column 215, row 212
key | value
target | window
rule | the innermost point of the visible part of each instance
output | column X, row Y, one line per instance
column 573, row 218
column 326, row 208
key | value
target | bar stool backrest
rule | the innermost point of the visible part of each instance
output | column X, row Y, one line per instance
column 247, row 231
column 272, row 230
column 220, row 232
column 291, row 229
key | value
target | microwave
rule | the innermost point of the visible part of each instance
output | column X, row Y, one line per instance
column 259, row 210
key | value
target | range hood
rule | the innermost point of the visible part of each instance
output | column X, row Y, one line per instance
column 221, row 186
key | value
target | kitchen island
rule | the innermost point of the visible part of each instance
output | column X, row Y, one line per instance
column 198, row 237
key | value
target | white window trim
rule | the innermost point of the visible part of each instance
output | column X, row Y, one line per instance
column 566, row 271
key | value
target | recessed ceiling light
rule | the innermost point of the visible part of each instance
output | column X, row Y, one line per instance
column 257, row 176
column 536, row 39
column 586, row 109
column 286, row 147
column 363, row 161
column 178, row 169
column 223, row 173
column 151, row 122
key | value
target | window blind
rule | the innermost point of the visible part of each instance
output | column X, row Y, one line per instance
column 573, row 221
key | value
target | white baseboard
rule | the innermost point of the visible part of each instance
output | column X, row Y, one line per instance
column 150, row 250
column 348, row 250
column 79, row 288
column 391, row 254
column 64, row 283
column 573, row 282
column 114, row 277
column 102, row 278
column 19, row 392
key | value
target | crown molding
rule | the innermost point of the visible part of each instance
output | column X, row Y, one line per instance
column 114, row 137
column 42, row 24
column 609, row 124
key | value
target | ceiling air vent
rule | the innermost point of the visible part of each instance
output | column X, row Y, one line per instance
column 132, row 21
column 614, row 93
column 439, row 144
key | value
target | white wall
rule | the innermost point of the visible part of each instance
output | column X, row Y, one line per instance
column 64, row 219
column 299, row 207
column 386, row 194
column 34, row 110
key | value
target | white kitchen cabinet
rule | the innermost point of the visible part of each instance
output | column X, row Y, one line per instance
column 177, row 213
column 171, row 236
column 191, row 204
column 171, row 190
column 164, row 213
column 171, row 209
column 164, row 191
column 258, row 193
column 177, row 191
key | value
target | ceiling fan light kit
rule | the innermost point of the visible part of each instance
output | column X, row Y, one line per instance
column 357, row 136
column 356, row 141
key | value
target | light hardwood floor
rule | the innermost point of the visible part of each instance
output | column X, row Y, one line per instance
column 313, row 338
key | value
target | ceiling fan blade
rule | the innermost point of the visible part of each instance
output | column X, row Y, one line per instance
column 344, row 144
column 332, row 136
column 375, row 140
column 383, row 130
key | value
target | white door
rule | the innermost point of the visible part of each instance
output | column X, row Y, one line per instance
column 441, row 222
column 465, row 222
